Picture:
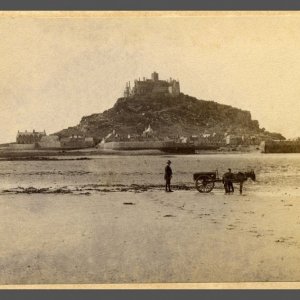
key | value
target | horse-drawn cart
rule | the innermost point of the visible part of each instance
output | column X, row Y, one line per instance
column 205, row 181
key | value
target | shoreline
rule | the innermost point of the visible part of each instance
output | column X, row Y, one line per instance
column 8, row 155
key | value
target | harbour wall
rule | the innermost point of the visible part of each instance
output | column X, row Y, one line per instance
column 282, row 147
column 22, row 146
column 50, row 145
column 168, row 146
column 133, row 145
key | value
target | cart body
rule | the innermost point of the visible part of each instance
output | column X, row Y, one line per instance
column 205, row 181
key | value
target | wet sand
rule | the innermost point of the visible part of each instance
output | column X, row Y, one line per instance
column 107, row 219
column 149, row 236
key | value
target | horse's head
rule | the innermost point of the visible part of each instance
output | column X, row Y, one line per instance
column 251, row 175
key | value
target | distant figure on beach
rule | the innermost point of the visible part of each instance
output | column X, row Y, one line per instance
column 228, row 182
column 168, row 176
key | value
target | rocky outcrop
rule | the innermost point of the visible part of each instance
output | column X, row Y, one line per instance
column 168, row 116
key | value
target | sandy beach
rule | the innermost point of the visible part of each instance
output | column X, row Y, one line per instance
column 109, row 220
column 149, row 237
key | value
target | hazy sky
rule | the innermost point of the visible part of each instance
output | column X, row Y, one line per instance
column 54, row 70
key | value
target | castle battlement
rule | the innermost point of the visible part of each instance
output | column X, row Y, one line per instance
column 152, row 86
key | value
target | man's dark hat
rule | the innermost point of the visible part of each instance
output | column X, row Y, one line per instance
column 168, row 162
column 229, row 169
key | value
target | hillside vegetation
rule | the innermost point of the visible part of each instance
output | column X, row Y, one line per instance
column 168, row 116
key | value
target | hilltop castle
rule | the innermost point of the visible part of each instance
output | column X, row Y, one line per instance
column 152, row 86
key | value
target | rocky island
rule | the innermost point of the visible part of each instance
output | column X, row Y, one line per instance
column 156, row 110
column 155, row 114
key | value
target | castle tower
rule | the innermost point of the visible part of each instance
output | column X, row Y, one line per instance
column 127, row 90
column 174, row 88
column 154, row 76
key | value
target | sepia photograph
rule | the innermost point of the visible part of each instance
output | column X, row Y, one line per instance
column 149, row 148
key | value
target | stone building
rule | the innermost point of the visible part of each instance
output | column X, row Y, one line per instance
column 49, row 142
column 28, row 137
column 153, row 86
column 76, row 142
column 148, row 132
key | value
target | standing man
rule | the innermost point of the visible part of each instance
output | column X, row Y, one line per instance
column 228, row 182
column 168, row 176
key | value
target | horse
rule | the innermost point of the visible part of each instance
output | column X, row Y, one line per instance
column 240, row 177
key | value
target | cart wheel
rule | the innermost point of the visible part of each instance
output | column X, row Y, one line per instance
column 205, row 184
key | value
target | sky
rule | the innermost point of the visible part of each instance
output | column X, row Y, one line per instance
column 58, row 67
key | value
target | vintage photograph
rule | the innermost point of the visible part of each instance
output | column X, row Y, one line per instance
column 149, row 147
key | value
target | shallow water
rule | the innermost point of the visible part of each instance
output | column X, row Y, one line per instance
column 274, row 171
